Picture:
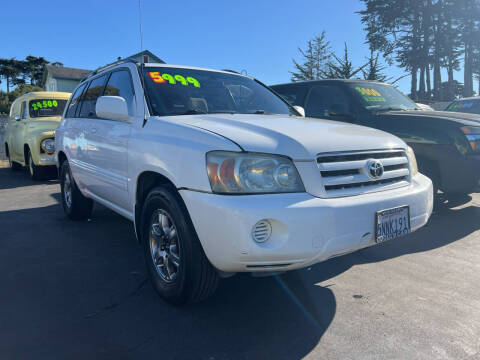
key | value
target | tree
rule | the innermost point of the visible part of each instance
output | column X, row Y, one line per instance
column 314, row 57
column 425, row 35
column 343, row 68
column 34, row 68
column 6, row 99
column 9, row 70
column 374, row 69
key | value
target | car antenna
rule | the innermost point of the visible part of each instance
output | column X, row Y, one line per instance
column 142, row 62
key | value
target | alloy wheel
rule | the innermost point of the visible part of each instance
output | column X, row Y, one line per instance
column 67, row 190
column 164, row 247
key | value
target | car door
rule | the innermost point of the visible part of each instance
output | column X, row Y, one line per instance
column 74, row 141
column 329, row 101
column 19, row 129
column 108, row 145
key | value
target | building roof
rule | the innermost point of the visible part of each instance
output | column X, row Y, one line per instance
column 152, row 57
column 62, row 72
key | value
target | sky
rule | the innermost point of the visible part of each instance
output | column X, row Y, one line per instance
column 258, row 36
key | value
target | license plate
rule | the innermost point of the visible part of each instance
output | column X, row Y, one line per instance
column 392, row 223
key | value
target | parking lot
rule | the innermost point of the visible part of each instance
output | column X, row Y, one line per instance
column 80, row 290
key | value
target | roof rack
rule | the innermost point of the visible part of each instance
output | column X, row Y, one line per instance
column 231, row 71
column 94, row 72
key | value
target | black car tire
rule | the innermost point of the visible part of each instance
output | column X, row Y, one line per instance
column 193, row 278
column 14, row 166
column 35, row 172
column 75, row 205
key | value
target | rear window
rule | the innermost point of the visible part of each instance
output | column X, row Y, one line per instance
column 46, row 107
column 465, row 106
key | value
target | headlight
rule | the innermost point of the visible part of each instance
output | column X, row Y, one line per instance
column 413, row 161
column 48, row 145
column 473, row 136
column 252, row 173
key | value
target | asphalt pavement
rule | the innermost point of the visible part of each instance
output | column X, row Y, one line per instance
column 79, row 290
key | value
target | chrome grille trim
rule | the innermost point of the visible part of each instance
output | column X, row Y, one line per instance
column 346, row 174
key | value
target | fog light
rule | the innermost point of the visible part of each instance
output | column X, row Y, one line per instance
column 262, row 231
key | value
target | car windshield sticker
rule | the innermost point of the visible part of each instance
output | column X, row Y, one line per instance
column 44, row 104
column 176, row 79
column 465, row 105
column 370, row 95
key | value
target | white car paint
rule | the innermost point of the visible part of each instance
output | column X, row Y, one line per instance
column 108, row 156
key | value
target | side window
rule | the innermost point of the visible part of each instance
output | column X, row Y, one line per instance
column 72, row 106
column 327, row 101
column 89, row 98
column 23, row 110
column 293, row 94
column 120, row 84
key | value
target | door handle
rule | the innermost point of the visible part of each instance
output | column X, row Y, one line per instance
column 93, row 131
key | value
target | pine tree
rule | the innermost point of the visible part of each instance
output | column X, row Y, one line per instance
column 314, row 57
column 343, row 68
column 374, row 69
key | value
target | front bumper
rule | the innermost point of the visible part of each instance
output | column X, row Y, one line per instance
column 46, row 160
column 305, row 229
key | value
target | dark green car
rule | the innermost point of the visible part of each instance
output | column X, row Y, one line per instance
column 446, row 144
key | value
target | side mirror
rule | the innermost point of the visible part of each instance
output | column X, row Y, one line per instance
column 300, row 110
column 17, row 117
column 112, row 108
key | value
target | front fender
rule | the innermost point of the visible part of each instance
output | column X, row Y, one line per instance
column 34, row 139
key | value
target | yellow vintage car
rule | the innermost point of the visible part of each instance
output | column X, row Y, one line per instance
column 30, row 134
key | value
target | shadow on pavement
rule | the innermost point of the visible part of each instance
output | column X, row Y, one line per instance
column 10, row 179
column 80, row 290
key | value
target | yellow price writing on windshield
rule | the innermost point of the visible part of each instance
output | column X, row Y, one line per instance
column 368, row 91
column 177, row 79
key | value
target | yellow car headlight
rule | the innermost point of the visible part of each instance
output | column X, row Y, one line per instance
column 48, row 145
column 413, row 161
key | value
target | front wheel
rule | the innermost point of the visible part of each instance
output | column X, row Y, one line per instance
column 75, row 205
column 179, row 269
column 35, row 172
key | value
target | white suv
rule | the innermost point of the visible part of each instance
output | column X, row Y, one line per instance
column 220, row 175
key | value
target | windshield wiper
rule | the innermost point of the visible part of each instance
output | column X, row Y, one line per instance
column 193, row 112
column 201, row 112
column 391, row 108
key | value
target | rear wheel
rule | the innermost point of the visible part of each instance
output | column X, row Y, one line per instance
column 178, row 268
column 75, row 205
column 12, row 164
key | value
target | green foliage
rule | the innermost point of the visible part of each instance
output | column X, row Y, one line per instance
column 374, row 69
column 21, row 75
column 342, row 68
column 314, row 59
column 6, row 99
column 425, row 35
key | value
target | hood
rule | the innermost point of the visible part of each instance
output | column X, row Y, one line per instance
column 461, row 118
column 46, row 124
column 296, row 137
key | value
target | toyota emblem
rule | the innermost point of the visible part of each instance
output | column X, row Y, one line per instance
column 375, row 169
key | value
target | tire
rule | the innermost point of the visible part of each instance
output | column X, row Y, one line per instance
column 75, row 205
column 14, row 166
column 177, row 265
column 430, row 169
column 35, row 172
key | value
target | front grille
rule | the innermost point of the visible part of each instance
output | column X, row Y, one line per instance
column 345, row 174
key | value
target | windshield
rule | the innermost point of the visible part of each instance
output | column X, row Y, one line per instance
column 46, row 107
column 177, row 91
column 465, row 106
column 379, row 97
